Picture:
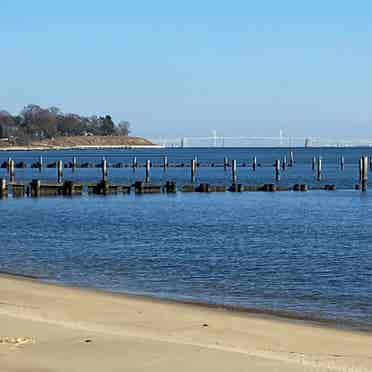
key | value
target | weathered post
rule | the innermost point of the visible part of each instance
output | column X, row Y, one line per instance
column 370, row 162
column 234, row 168
column 41, row 163
column 342, row 162
column 134, row 163
column 314, row 163
column 225, row 163
column 148, row 166
column 284, row 162
column 35, row 188
column 254, row 163
column 3, row 189
column 319, row 169
column 277, row 170
column 59, row 171
column 364, row 161
column 193, row 170
column 74, row 164
column 165, row 163
column 171, row 187
column 11, row 171
column 360, row 169
column 291, row 159
column 104, row 170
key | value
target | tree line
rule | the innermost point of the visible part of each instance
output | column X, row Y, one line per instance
column 37, row 123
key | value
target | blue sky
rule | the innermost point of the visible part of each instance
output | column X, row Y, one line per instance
column 172, row 68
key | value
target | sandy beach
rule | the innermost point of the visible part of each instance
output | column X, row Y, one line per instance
column 45, row 327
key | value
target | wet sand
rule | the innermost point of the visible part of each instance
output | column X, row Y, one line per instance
column 45, row 327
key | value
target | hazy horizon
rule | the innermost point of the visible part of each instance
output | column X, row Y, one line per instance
column 188, row 69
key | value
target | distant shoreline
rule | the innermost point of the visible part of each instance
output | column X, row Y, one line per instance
column 82, row 143
column 87, row 147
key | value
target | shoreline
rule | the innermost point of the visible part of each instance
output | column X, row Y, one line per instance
column 41, row 323
column 83, row 147
column 278, row 315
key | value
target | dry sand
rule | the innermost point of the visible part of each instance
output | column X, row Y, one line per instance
column 51, row 328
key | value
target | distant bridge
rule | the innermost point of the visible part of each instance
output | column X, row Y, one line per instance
column 242, row 141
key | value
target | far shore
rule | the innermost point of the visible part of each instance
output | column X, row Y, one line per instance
column 87, row 147
column 47, row 327
column 82, row 143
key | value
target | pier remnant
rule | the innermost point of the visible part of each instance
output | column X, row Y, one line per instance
column 319, row 169
column 193, row 170
column 104, row 170
column 35, row 186
column 364, row 172
column 277, row 170
column 233, row 168
column 302, row 187
column 11, row 170
column 170, row 187
column 134, row 163
column 59, row 171
column 254, row 163
column 3, row 188
column 284, row 162
column 342, row 162
column 148, row 167
column 74, row 164
column 225, row 163
column 165, row 163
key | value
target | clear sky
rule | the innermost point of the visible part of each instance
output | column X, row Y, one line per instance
column 188, row 67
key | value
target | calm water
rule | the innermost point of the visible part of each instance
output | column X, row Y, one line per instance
column 308, row 254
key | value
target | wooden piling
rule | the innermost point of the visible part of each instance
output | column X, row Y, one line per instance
column 35, row 186
column 254, row 163
column 193, row 170
column 225, row 163
column 165, row 163
column 3, row 188
column 59, row 171
column 148, row 167
column 360, row 169
column 277, row 170
column 170, row 187
column 319, row 169
column 74, row 164
column 134, row 163
column 104, row 170
column 365, row 166
column 236, row 187
column 41, row 163
column 284, row 162
column 342, row 163
column 69, row 188
column 291, row 159
column 234, row 171
column 313, row 164
column 18, row 190
column 11, row 171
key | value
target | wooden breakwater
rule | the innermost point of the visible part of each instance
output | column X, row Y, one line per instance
column 38, row 188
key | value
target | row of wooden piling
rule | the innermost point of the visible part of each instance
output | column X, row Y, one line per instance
column 364, row 164
column 36, row 188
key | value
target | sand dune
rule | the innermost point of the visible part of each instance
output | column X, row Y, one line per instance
column 51, row 328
